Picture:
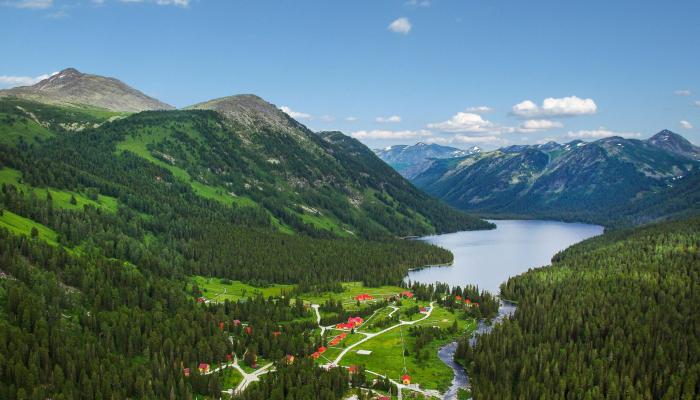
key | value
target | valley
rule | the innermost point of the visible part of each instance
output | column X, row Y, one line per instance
column 225, row 249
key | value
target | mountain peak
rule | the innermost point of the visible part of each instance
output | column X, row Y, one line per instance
column 675, row 143
column 248, row 109
column 71, row 87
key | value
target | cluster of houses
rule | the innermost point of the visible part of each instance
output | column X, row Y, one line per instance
column 467, row 302
column 316, row 354
column 353, row 322
column 364, row 297
column 337, row 339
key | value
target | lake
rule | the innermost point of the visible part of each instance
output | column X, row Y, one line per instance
column 488, row 258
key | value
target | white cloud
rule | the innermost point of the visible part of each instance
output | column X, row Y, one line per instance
column 464, row 122
column 683, row 92
column 401, row 25
column 33, row 4
column 179, row 3
column 697, row 103
column 599, row 134
column 465, row 139
column 7, row 81
column 418, row 3
column 555, row 107
column 388, row 134
column 480, row 110
column 350, row 119
column 390, row 119
column 539, row 125
column 686, row 125
column 56, row 15
column 295, row 114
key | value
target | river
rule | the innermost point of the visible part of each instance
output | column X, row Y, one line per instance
column 488, row 258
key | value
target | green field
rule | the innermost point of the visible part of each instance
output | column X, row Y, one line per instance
column 229, row 378
column 352, row 289
column 386, row 357
column 23, row 226
column 61, row 198
column 213, row 289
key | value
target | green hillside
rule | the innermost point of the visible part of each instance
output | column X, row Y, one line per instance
column 614, row 317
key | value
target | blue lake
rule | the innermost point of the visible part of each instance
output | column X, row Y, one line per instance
column 488, row 258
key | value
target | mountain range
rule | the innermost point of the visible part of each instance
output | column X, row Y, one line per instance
column 237, row 150
column 410, row 161
column 597, row 181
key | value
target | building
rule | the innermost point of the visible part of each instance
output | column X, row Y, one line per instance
column 289, row 359
column 353, row 369
column 186, row 371
column 203, row 368
column 315, row 355
column 364, row 297
column 406, row 379
column 407, row 294
column 322, row 349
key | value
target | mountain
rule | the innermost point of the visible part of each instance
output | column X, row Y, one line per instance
column 410, row 161
column 243, row 151
column 72, row 87
column 675, row 143
column 574, row 181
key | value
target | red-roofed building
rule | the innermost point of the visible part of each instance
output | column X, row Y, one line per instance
column 186, row 371
column 353, row 369
column 289, row 359
column 467, row 301
column 203, row 368
column 363, row 297
column 221, row 326
column 200, row 299
column 276, row 333
column 315, row 355
column 345, row 325
column 355, row 321
column 406, row 379
column 322, row 349
column 248, row 330
column 229, row 357
column 407, row 294
column 458, row 297
column 236, row 322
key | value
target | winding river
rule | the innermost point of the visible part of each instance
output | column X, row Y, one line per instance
column 488, row 258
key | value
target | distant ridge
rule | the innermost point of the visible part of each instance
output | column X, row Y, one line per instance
column 72, row 87
column 585, row 181
column 410, row 161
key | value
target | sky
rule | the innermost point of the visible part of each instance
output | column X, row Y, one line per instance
column 463, row 72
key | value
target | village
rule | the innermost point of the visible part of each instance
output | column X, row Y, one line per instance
column 379, row 345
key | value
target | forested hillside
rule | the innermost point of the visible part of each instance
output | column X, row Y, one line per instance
column 603, row 181
column 614, row 317
column 105, row 216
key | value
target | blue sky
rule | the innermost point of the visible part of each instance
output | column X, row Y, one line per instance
column 461, row 72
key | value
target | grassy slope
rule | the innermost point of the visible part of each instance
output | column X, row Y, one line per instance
column 61, row 198
column 23, row 226
column 213, row 289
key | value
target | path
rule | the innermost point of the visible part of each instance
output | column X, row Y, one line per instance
column 247, row 378
column 369, row 336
